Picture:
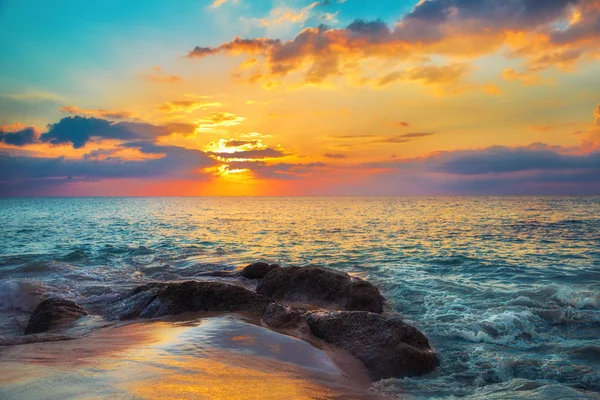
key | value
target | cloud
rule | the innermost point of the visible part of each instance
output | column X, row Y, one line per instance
column 240, row 143
column 220, row 119
column 33, row 96
column 218, row 3
column 79, row 130
column 527, row 78
column 249, row 154
column 534, row 169
column 447, row 28
column 543, row 128
column 236, row 46
column 501, row 159
column 279, row 171
column 19, row 138
column 591, row 140
column 158, row 76
column 335, row 155
column 106, row 114
column 405, row 138
column 187, row 105
column 428, row 74
column 161, row 162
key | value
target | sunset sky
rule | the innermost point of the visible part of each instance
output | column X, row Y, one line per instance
column 337, row 97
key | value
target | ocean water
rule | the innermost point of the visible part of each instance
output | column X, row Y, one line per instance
column 506, row 288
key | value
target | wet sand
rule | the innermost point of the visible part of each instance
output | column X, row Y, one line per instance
column 191, row 357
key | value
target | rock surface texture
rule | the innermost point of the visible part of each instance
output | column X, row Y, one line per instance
column 54, row 313
column 160, row 299
column 322, row 287
column 258, row 270
column 386, row 346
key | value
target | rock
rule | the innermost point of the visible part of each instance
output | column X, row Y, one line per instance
column 258, row 270
column 281, row 317
column 160, row 299
column 388, row 347
column 54, row 313
column 321, row 286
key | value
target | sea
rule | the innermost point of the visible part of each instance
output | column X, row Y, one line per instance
column 507, row 289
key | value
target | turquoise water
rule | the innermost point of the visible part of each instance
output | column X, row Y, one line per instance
column 507, row 289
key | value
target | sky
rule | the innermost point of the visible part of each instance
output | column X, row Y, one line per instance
column 333, row 97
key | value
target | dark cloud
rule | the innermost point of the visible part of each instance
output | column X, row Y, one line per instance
column 354, row 136
column 498, row 170
column 413, row 135
column 174, row 162
column 499, row 159
column 282, row 171
column 238, row 45
column 335, row 155
column 404, row 138
column 503, row 14
column 238, row 143
column 20, row 138
column 251, row 154
column 80, row 130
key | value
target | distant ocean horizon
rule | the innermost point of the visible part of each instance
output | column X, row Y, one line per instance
column 507, row 288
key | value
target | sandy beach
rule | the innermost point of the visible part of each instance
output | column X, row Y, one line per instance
column 225, row 356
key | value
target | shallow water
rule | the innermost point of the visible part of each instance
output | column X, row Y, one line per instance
column 507, row 289
column 216, row 357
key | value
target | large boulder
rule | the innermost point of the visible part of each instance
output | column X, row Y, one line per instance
column 258, row 270
column 279, row 316
column 160, row 299
column 321, row 286
column 387, row 347
column 54, row 313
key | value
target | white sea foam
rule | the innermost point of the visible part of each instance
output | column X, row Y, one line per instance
column 20, row 295
column 504, row 328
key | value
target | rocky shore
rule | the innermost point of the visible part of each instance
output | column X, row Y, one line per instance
column 307, row 302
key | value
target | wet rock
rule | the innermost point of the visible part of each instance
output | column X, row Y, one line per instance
column 54, row 313
column 218, row 274
column 160, row 299
column 388, row 347
column 321, row 286
column 258, row 270
column 279, row 316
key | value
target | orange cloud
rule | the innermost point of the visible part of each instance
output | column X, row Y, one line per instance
column 591, row 140
column 429, row 74
column 187, row 105
column 433, row 28
column 159, row 76
column 528, row 79
column 107, row 114
column 218, row 3
column 543, row 128
column 220, row 119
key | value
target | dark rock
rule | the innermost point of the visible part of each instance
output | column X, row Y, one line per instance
column 258, row 270
column 388, row 347
column 219, row 274
column 54, row 313
column 321, row 286
column 281, row 317
column 160, row 299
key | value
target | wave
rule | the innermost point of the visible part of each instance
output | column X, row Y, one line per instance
column 509, row 328
column 21, row 295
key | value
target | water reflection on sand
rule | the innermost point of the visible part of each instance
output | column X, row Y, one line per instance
column 218, row 357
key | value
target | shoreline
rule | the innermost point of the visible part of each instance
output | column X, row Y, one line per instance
column 194, row 355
